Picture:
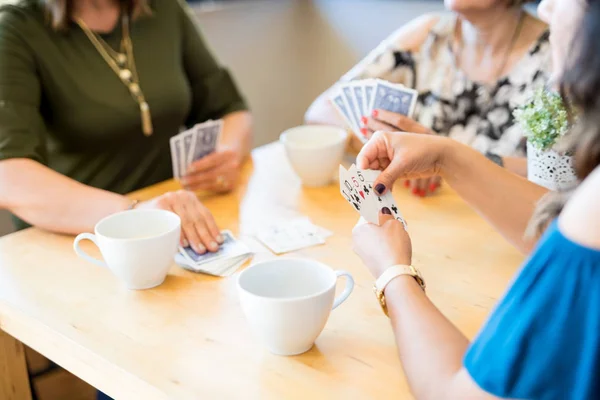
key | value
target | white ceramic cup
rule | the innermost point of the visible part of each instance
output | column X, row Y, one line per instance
column 288, row 301
column 137, row 246
column 315, row 152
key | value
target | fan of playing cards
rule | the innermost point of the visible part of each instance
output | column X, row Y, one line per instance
column 232, row 254
column 193, row 144
column 356, row 186
column 358, row 99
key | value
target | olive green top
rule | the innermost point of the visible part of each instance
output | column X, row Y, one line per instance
column 63, row 106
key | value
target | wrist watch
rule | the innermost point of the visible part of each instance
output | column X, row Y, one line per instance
column 390, row 274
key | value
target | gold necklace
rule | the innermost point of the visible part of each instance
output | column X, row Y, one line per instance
column 123, row 64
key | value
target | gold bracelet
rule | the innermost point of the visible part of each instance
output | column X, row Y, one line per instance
column 133, row 204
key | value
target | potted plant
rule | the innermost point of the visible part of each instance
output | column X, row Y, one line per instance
column 544, row 120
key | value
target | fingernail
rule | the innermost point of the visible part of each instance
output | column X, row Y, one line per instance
column 406, row 183
column 364, row 120
column 214, row 246
column 415, row 191
column 380, row 188
column 386, row 210
column 363, row 131
column 422, row 193
column 375, row 113
column 198, row 248
column 432, row 187
column 220, row 239
column 185, row 243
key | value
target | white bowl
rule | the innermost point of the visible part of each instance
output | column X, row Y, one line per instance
column 315, row 152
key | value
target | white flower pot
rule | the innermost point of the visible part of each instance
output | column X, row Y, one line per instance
column 549, row 168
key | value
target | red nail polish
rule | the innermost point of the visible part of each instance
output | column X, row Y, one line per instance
column 363, row 131
column 406, row 183
column 422, row 193
column 415, row 191
column 375, row 113
column 432, row 187
column 364, row 120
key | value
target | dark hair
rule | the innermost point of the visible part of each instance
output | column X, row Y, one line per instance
column 580, row 87
column 60, row 12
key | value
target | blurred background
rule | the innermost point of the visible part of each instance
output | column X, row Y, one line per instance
column 283, row 53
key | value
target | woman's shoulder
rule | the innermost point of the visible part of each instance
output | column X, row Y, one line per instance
column 580, row 219
column 412, row 35
column 15, row 15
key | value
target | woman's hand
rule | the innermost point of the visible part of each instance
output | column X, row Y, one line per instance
column 403, row 156
column 382, row 120
column 382, row 246
column 217, row 172
column 198, row 227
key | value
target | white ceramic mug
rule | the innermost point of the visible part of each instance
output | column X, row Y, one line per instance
column 137, row 245
column 315, row 152
column 288, row 301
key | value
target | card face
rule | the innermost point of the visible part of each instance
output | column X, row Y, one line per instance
column 387, row 200
column 229, row 249
column 291, row 235
column 347, row 190
column 187, row 138
column 394, row 98
column 364, row 190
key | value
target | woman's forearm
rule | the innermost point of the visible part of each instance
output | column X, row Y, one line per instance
column 51, row 201
column 237, row 132
column 506, row 200
column 431, row 349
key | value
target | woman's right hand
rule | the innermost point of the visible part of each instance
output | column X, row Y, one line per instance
column 198, row 227
column 401, row 155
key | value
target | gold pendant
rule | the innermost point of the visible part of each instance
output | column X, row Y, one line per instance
column 146, row 119
column 125, row 75
column 121, row 59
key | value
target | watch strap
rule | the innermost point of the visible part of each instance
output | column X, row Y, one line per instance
column 391, row 273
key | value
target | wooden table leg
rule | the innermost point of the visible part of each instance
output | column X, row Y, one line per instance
column 14, row 380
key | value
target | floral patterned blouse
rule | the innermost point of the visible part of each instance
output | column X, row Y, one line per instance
column 476, row 114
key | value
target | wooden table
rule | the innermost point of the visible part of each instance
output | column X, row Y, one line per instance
column 188, row 339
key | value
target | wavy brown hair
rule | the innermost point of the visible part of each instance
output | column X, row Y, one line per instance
column 580, row 87
column 60, row 12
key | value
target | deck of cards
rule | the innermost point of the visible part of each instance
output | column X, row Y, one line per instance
column 193, row 144
column 356, row 186
column 358, row 99
column 232, row 254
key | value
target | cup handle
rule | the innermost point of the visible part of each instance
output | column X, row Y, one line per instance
column 347, row 290
column 83, row 254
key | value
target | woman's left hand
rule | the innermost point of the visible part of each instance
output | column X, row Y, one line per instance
column 217, row 172
column 382, row 120
column 382, row 246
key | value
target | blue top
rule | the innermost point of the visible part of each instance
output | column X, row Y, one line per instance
column 543, row 339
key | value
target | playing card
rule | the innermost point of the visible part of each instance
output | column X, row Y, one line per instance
column 287, row 236
column 352, row 107
column 177, row 154
column 394, row 98
column 347, row 190
column 369, row 208
column 221, row 268
column 387, row 200
column 229, row 249
column 186, row 140
column 205, row 139
column 358, row 94
column 368, row 87
column 174, row 158
column 342, row 108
